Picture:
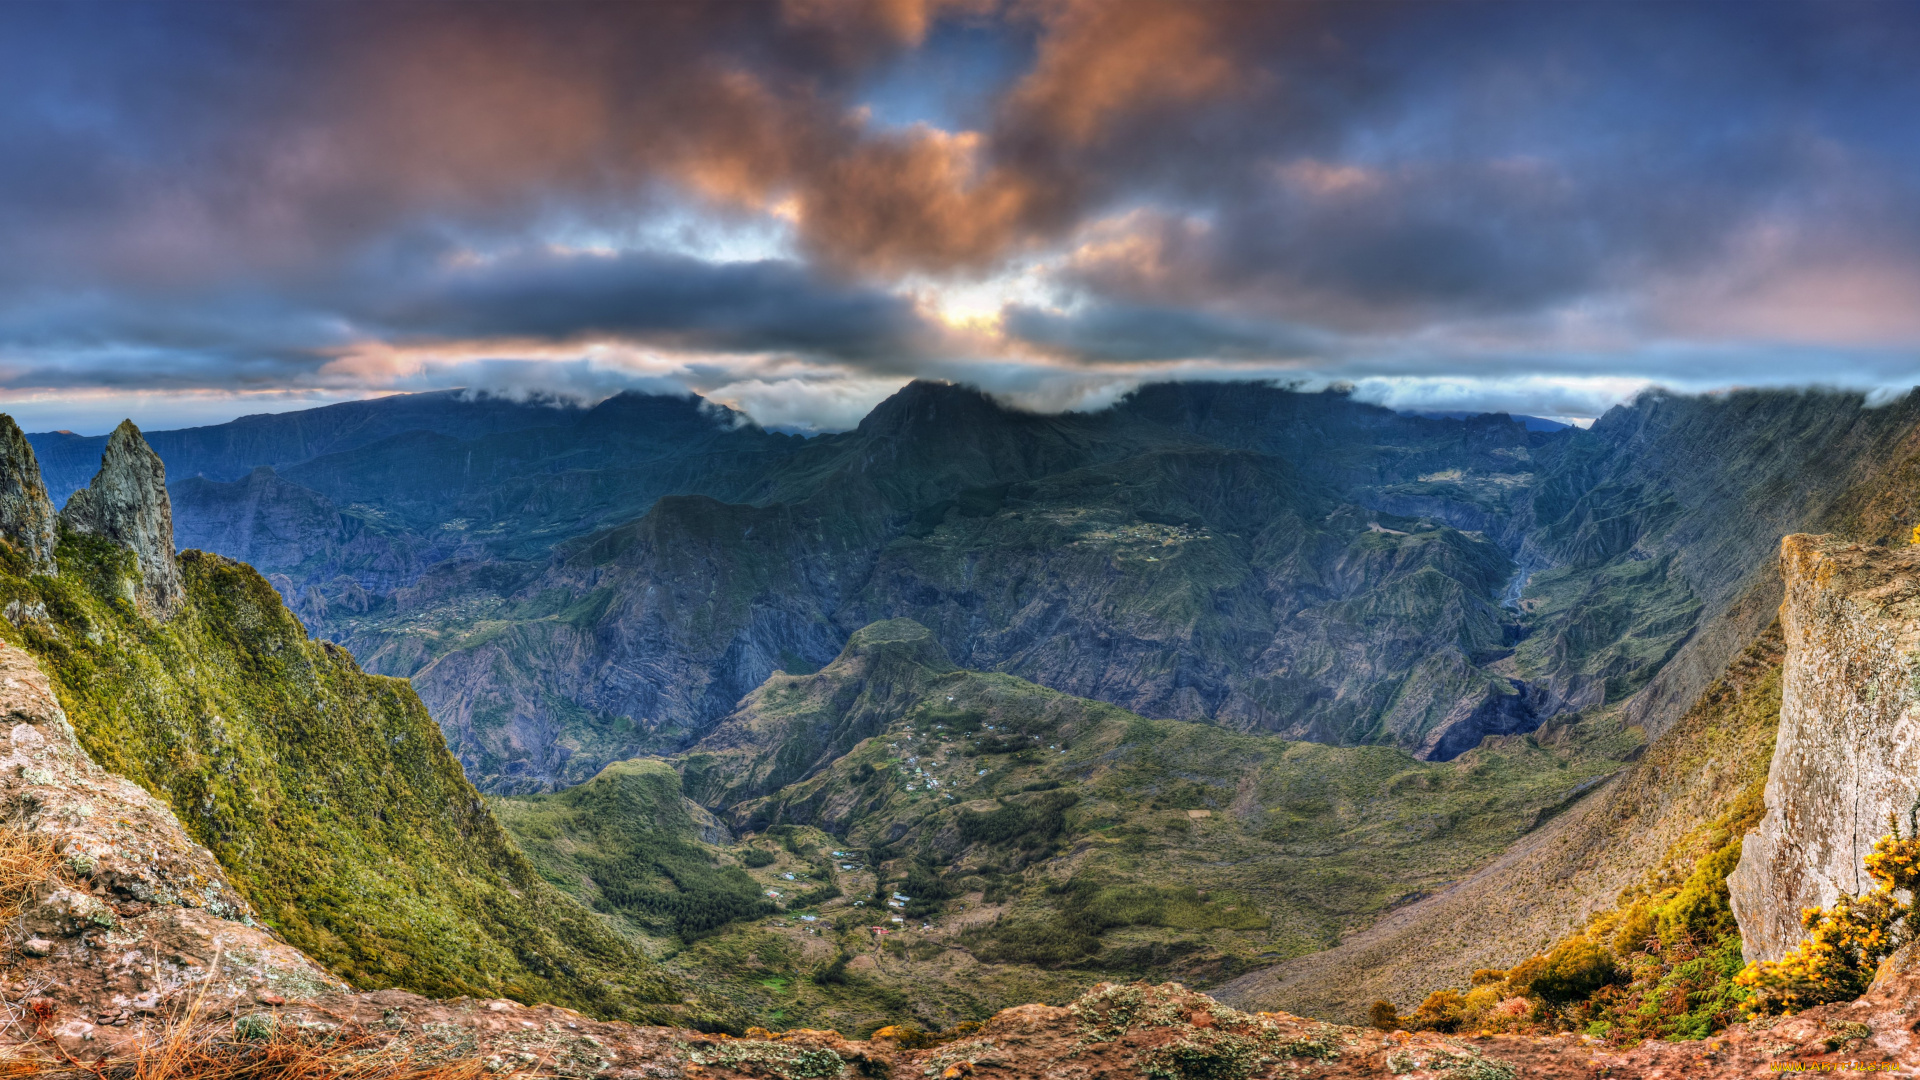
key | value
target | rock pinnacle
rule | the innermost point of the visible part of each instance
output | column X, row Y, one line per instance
column 127, row 503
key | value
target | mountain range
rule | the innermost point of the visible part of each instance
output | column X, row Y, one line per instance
column 1317, row 704
column 567, row 587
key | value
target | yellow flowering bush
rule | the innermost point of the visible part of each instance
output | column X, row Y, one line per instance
column 1846, row 942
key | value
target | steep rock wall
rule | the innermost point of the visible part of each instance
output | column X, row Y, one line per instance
column 137, row 916
column 1848, row 755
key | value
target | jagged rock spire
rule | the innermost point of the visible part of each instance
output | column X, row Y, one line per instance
column 127, row 503
column 26, row 514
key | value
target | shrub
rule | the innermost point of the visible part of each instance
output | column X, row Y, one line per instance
column 1100, row 906
column 1846, row 942
column 1032, row 824
column 814, row 897
column 1384, row 1016
column 930, row 886
column 1701, row 909
column 1440, row 1012
column 1027, row 941
column 835, row 973
column 755, row 858
column 1574, row 969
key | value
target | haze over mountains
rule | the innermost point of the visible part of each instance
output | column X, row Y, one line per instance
column 573, row 586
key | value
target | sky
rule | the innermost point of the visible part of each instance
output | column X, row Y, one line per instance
column 216, row 208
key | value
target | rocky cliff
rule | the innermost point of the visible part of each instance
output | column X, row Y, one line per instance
column 127, row 504
column 26, row 515
column 1846, row 767
column 1296, row 563
column 1304, row 564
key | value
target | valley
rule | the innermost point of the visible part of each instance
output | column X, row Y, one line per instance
column 944, row 843
column 1267, row 692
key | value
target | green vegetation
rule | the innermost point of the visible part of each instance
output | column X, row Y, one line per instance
column 1846, row 942
column 1665, row 962
column 626, row 842
column 1030, row 842
column 327, row 794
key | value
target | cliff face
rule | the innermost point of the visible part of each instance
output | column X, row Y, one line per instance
column 127, row 504
column 326, row 796
column 26, row 517
column 1847, row 760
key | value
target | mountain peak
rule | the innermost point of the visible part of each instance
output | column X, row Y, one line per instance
column 127, row 504
column 901, row 639
column 923, row 401
column 26, row 515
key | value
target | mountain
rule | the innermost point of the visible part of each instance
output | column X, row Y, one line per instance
column 327, row 795
column 1163, row 555
column 907, row 833
column 1803, row 461
column 1268, row 560
column 224, row 452
column 595, row 584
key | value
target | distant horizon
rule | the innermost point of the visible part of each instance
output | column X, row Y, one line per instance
column 104, row 426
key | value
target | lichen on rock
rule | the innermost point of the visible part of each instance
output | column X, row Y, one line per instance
column 133, row 915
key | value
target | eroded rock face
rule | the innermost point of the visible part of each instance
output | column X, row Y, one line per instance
column 127, row 503
column 26, row 515
column 1848, row 755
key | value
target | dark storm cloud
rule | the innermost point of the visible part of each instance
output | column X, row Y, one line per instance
column 758, row 306
column 248, row 338
column 1389, row 166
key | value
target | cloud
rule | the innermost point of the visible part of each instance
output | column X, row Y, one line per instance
column 1110, row 331
column 639, row 295
column 286, row 199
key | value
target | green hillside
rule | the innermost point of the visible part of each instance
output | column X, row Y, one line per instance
column 327, row 794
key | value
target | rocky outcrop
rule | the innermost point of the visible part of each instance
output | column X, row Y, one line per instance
column 26, row 516
column 127, row 504
column 1111, row 1030
column 1847, row 761
column 133, row 914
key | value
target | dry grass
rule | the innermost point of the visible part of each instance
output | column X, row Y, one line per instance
column 212, row 1052
column 191, row 1048
column 27, row 861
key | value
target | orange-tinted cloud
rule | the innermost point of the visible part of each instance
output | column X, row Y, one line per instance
column 1099, row 62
